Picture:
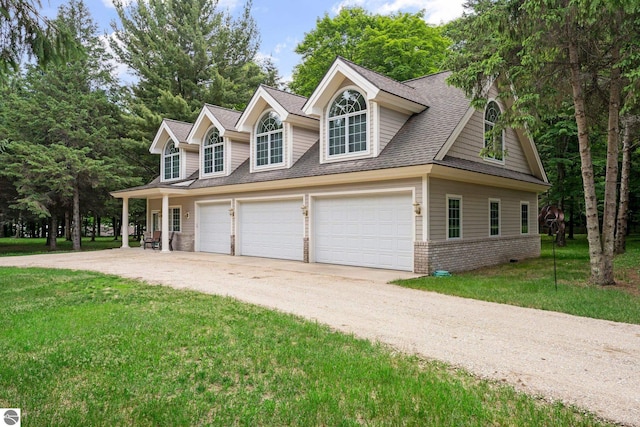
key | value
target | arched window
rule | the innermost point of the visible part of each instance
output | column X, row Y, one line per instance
column 269, row 149
column 493, row 144
column 348, row 123
column 213, row 153
column 171, row 159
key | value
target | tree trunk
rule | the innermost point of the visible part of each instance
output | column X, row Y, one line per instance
column 622, row 222
column 77, row 225
column 93, row 229
column 18, row 226
column 99, row 220
column 611, row 177
column 67, row 225
column 116, row 229
column 53, row 232
column 596, row 259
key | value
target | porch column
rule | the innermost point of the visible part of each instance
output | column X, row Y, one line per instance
column 165, row 223
column 125, row 222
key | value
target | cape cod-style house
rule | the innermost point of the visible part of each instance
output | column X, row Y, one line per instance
column 368, row 171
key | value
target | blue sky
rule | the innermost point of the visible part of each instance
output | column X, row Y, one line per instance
column 283, row 23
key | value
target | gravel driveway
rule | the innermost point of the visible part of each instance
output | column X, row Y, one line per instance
column 593, row 364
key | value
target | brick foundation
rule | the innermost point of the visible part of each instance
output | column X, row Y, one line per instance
column 305, row 246
column 232, row 249
column 469, row 254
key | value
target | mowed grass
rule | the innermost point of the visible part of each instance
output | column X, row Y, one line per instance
column 10, row 246
column 530, row 283
column 82, row 348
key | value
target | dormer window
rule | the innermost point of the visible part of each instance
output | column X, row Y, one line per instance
column 347, row 124
column 493, row 144
column 269, row 149
column 171, row 161
column 213, row 152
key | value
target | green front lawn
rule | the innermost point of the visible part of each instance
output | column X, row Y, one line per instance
column 27, row 246
column 82, row 348
column 530, row 283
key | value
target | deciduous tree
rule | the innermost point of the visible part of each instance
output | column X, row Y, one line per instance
column 401, row 46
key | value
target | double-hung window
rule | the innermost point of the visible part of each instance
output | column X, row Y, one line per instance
column 454, row 217
column 213, row 155
column 269, row 140
column 347, row 124
column 171, row 161
column 493, row 144
column 175, row 218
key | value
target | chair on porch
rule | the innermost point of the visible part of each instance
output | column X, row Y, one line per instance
column 154, row 241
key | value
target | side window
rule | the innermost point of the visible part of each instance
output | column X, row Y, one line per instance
column 494, row 217
column 347, row 124
column 524, row 218
column 454, row 217
column 493, row 144
column 269, row 139
column 213, row 152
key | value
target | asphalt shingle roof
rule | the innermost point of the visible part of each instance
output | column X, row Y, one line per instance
column 416, row 143
column 388, row 84
column 289, row 101
column 180, row 129
column 227, row 118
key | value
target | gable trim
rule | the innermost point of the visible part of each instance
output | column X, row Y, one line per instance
column 251, row 114
column 157, row 147
column 455, row 134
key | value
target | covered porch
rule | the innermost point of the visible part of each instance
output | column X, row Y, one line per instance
column 146, row 194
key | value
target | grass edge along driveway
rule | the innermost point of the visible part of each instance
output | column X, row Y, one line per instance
column 82, row 348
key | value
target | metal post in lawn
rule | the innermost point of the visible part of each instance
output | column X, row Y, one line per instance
column 555, row 274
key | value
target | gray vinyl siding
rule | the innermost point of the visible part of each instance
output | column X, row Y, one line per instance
column 303, row 139
column 471, row 141
column 475, row 209
column 187, row 205
column 239, row 154
column 192, row 162
column 390, row 123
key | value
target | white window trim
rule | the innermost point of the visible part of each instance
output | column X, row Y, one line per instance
column 225, row 150
column 453, row 197
column 491, row 201
column 159, row 224
column 254, row 146
column 162, row 163
column 528, row 218
column 347, row 156
column 171, row 208
column 503, row 136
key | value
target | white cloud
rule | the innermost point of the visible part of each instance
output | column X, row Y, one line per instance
column 109, row 3
column 436, row 11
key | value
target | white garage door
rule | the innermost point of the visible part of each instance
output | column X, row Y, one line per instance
column 214, row 228
column 271, row 229
column 368, row 231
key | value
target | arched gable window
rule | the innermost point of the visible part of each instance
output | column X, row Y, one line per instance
column 347, row 123
column 213, row 152
column 171, row 160
column 493, row 144
column 269, row 150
